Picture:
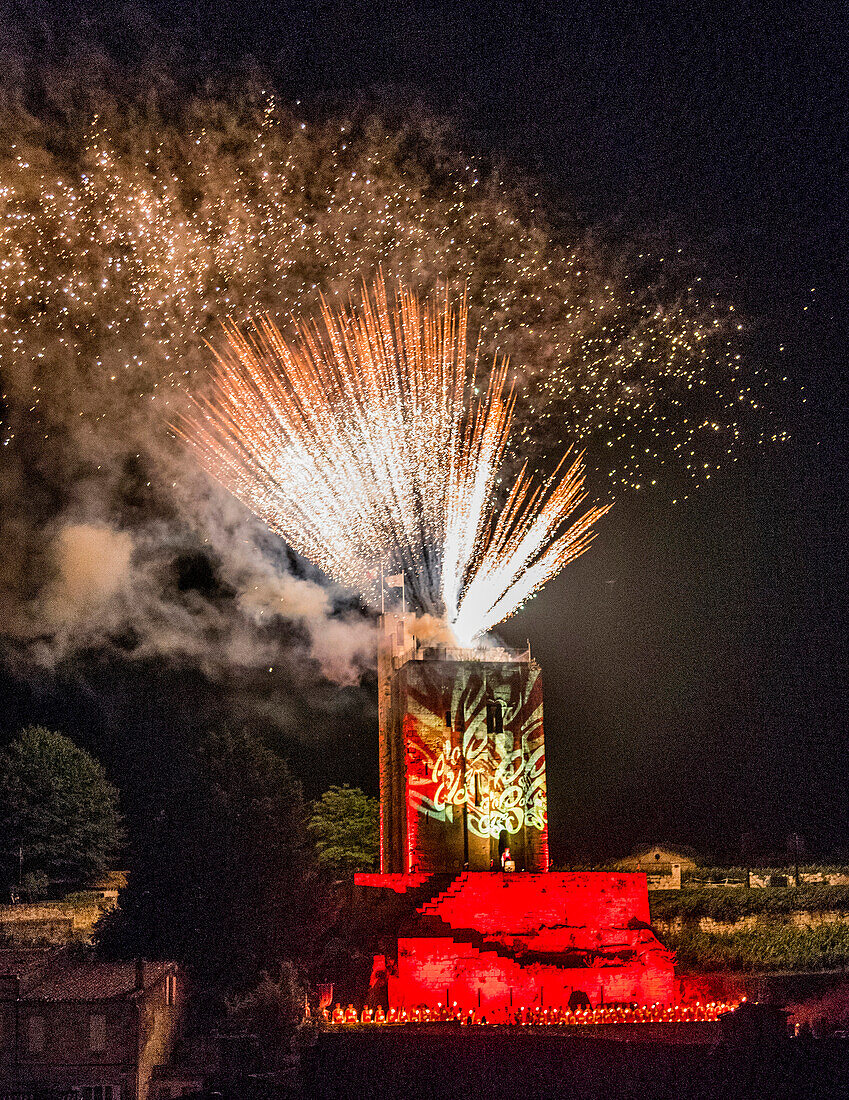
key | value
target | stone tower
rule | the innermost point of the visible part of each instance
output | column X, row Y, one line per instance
column 462, row 756
column 462, row 777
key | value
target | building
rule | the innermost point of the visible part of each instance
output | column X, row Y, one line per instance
column 462, row 757
column 663, row 866
column 657, row 858
column 88, row 1029
column 476, row 915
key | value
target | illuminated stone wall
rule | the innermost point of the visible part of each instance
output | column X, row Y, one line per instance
column 462, row 777
column 436, row 971
column 492, row 941
column 462, row 765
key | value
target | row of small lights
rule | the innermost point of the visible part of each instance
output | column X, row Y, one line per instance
column 602, row 1014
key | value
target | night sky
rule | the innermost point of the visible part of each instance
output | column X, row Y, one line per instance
column 694, row 661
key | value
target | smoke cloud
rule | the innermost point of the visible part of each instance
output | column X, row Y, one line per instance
column 131, row 222
column 92, row 572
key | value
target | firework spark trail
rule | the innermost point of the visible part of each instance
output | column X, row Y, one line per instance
column 133, row 239
column 362, row 443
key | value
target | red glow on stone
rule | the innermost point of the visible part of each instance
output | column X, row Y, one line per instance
column 491, row 942
column 525, row 1015
column 462, row 780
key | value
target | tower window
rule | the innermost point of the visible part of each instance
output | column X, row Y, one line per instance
column 448, row 719
column 494, row 718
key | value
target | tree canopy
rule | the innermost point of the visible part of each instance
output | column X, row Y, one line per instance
column 223, row 878
column 344, row 826
column 59, row 816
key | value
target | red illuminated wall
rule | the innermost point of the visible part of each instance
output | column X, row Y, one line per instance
column 538, row 905
column 493, row 940
column 464, row 761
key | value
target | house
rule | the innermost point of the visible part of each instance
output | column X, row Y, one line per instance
column 82, row 1028
column 657, row 857
column 662, row 865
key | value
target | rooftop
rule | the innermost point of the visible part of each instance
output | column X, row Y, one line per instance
column 408, row 638
column 50, row 975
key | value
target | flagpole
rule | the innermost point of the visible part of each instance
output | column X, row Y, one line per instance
column 403, row 597
column 382, row 601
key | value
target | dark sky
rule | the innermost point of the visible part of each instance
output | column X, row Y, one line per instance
column 695, row 660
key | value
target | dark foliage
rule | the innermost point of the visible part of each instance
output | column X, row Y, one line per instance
column 272, row 1014
column 344, row 826
column 59, row 817
column 224, row 879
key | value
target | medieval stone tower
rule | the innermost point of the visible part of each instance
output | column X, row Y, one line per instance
column 462, row 757
column 462, row 778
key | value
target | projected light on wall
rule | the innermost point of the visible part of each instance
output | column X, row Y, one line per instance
column 474, row 764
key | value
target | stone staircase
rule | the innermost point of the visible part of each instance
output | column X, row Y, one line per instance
column 411, row 893
column 430, row 926
column 437, row 902
column 525, row 904
column 533, row 937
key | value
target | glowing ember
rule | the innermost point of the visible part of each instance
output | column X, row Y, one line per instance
column 364, row 443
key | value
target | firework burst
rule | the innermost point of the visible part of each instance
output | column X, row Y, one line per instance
column 365, row 443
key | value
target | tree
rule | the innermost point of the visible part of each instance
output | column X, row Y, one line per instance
column 223, row 879
column 59, row 814
column 273, row 1011
column 345, row 827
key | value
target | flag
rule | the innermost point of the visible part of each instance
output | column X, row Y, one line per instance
column 395, row 581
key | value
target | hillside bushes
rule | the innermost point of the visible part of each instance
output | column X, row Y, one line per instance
column 769, row 946
column 730, row 904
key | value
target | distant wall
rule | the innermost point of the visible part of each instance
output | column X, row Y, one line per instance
column 663, row 877
column 800, row 918
column 54, row 922
column 760, row 878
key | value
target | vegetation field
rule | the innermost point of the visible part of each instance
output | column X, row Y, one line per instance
column 772, row 945
column 731, row 903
